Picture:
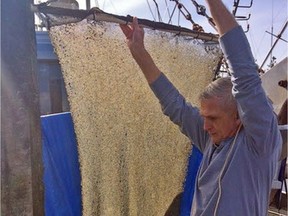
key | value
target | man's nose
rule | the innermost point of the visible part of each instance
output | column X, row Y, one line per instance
column 207, row 125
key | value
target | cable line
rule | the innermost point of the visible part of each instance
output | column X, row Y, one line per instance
column 151, row 10
column 158, row 12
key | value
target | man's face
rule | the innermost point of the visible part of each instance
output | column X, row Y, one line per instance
column 219, row 122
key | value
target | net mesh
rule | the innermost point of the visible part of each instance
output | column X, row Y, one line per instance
column 133, row 159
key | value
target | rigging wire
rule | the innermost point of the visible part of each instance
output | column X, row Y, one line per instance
column 276, row 36
column 280, row 12
column 158, row 12
column 167, row 9
column 183, row 10
column 272, row 30
column 151, row 10
column 103, row 6
column 170, row 19
column 201, row 10
column 113, row 6
column 178, row 18
column 96, row 3
column 253, row 43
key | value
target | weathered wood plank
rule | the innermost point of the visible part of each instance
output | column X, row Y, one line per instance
column 21, row 155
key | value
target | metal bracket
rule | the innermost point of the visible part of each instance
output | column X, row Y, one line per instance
column 236, row 5
column 247, row 29
column 243, row 18
column 243, row 6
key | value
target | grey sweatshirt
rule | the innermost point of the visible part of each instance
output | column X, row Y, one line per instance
column 247, row 168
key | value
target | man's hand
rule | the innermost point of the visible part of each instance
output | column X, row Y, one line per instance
column 135, row 36
column 135, row 41
column 223, row 19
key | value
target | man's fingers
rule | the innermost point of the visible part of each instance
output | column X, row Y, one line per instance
column 126, row 30
column 135, row 23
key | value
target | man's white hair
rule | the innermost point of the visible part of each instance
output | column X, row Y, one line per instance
column 222, row 90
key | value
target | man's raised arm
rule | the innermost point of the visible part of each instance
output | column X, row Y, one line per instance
column 254, row 109
column 224, row 20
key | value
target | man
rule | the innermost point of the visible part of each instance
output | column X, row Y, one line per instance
column 235, row 128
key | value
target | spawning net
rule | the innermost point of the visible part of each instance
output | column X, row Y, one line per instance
column 133, row 159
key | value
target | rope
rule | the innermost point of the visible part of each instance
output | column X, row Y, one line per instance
column 223, row 168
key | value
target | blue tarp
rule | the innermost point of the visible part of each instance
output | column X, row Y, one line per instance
column 62, row 181
column 187, row 196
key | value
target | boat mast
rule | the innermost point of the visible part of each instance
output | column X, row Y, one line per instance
column 276, row 41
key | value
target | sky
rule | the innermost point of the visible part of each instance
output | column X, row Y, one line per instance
column 266, row 16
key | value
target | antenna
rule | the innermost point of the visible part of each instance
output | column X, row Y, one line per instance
column 278, row 38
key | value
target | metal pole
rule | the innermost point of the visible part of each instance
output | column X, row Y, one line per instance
column 88, row 4
column 276, row 41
